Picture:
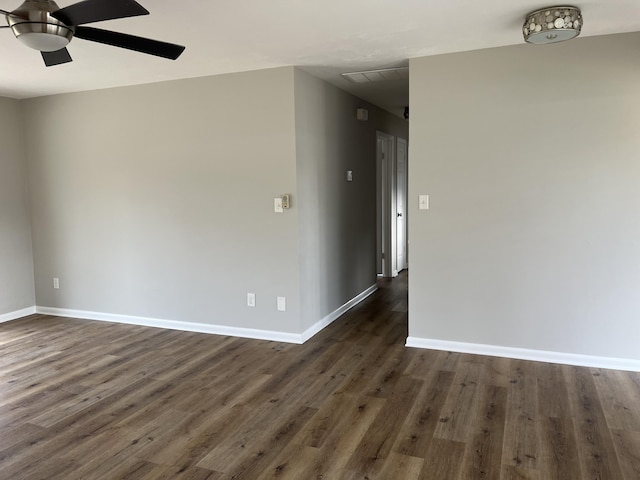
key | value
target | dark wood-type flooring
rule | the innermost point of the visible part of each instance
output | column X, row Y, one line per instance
column 93, row 400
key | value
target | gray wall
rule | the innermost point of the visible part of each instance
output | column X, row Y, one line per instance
column 16, row 266
column 530, row 157
column 157, row 200
column 337, row 218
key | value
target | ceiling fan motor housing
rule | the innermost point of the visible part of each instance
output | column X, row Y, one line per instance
column 34, row 26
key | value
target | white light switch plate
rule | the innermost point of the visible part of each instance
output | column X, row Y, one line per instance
column 424, row 202
column 277, row 205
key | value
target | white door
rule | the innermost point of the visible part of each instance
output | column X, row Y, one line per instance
column 380, row 147
column 387, row 256
column 401, row 204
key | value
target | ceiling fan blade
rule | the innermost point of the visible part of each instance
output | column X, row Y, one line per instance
column 9, row 14
column 130, row 42
column 56, row 58
column 90, row 11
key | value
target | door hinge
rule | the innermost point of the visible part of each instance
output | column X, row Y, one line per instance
column 383, row 255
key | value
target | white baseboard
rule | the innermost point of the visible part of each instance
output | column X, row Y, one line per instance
column 333, row 316
column 526, row 354
column 298, row 338
column 7, row 317
column 174, row 325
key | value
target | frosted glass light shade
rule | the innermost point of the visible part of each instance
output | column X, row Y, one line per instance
column 45, row 42
column 45, row 37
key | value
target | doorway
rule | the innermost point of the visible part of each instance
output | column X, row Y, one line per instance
column 391, row 244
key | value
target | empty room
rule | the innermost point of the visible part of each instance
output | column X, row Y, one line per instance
column 208, row 211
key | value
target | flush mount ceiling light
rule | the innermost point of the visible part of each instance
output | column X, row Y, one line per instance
column 552, row 25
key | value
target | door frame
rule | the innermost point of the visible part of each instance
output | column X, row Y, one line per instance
column 402, row 178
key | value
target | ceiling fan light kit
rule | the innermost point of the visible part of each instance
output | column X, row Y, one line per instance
column 34, row 27
column 43, row 26
column 552, row 25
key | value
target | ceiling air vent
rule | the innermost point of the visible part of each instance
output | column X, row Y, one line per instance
column 385, row 74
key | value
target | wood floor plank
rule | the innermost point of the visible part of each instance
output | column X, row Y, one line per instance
column 383, row 382
column 483, row 455
column 358, row 414
column 119, row 447
column 161, row 472
column 522, row 435
column 461, row 405
column 83, row 400
column 372, row 452
column 619, row 397
column 421, row 362
column 595, row 446
column 401, row 466
column 291, row 464
column 418, row 429
column 627, row 446
column 369, row 365
column 24, row 407
column 442, row 460
column 11, row 435
column 558, row 449
column 497, row 371
column 326, row 420
column 510, row 472
column 47, row 468
column 251, row 457
column 210, row 414
column 215, row 432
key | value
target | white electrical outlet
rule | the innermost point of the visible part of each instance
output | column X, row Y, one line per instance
column 251, row 299
column 282, row 304
column 56, row 282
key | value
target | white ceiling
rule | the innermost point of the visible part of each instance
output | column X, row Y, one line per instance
column 323, row 37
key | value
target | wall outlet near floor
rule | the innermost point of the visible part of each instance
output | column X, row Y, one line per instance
column 56, row 282
column 282, row 304
column 251, row 299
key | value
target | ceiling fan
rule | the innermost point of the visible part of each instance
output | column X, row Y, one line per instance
column 43, row 26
